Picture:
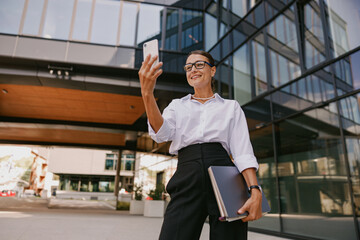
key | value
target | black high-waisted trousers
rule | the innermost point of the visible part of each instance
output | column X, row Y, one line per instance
column 193, row 199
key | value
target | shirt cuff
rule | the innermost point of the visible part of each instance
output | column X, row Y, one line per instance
column 245, row 161
column 162, row 134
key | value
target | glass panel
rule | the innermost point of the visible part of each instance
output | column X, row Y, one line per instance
column 262, row 142
column 10, row 15
column 314, row 47
column 245, row 29
column 105, row 24
column 259, row 15
column 127, row 165
column 239, row 7
column 347, row 74
column 223, row 30
column 352, row 139
column 258, row 115
column 283, row 70
column 271, row 9
column 84, row 185
column 282, row 30
column 82, row 20
column 128, row 24
column 304, row 93
column 174, row 63
column 149, row 23
column 222, row 75
column 104, row 186
column 172, row 19
column 33, row 17
column 191, row 31
column 95, row 186
column 109, row 164
column 258, row 52
column 74, row 185
column 241, row 73
column 312, row 175
column 172, row 28
column 252, row 3
column 210, row 31
column 58, row 19
column 344, row 27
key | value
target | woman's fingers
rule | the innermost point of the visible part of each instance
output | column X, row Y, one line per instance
column 149, row 74
column 149, row 61
column 146, row 68
column 156, row 67
column 158, row 73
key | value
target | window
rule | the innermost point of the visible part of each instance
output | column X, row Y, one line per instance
column 239, row 7
column 82, row 20
column 312, row 34
column 258, row 52
column 109, row 164
column 33, row 17
column 241, row 73
column 10, row 15
column 128, row 162
column 149, row 26
column 106, row 20
column 210, row 31
column 283, row 70
column 110, row 161
column 58, row 19
column 128, row 24
column 172, row 28
column 343, row 26
column 312, row 173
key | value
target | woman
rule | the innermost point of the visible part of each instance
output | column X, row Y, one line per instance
column 204, row 129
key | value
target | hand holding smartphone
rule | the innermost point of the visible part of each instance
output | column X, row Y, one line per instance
column 151, row 48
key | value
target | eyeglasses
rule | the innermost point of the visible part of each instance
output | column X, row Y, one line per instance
column 197, row 64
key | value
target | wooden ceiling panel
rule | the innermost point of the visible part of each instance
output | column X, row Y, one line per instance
column 62, row 136
column 69, row 104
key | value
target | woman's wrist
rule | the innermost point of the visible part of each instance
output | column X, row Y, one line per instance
column 255, row 193
column 147, row 94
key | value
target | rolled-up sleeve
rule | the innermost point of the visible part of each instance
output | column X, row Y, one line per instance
column 240, row 145
column 167, row 129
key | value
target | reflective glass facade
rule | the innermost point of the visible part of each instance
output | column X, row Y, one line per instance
column 291, row 64
column 293, row 67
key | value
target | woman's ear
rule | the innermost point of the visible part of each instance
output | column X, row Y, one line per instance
column 213, row 71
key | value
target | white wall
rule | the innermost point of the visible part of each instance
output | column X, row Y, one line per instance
column 78, row 161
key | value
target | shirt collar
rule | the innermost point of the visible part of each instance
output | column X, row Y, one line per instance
column 217, row 98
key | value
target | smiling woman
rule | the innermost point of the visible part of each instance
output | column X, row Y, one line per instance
column 204, row 129
column 201, row 61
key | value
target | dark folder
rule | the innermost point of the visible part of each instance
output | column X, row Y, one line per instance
column 231, row 192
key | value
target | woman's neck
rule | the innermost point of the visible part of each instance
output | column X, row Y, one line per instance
column 203, row 97
column 203, row 94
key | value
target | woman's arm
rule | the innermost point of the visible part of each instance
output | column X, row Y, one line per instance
column 253, row 204
column 148, row 76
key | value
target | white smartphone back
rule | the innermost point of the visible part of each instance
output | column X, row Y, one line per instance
column 152, row 48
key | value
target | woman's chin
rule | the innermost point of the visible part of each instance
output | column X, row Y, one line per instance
column 197, row 84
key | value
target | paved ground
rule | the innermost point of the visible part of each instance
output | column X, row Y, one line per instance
column 22, row 219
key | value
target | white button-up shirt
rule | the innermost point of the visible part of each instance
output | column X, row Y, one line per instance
column 187, row 122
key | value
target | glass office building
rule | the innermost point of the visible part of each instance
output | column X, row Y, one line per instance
column 292, row 65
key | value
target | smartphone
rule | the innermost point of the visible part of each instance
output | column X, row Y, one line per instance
column 152, row 48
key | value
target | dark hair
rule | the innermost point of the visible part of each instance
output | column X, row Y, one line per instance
column 211, row 61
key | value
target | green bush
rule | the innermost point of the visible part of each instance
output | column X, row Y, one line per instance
column 157, row 194
column 123, row 206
